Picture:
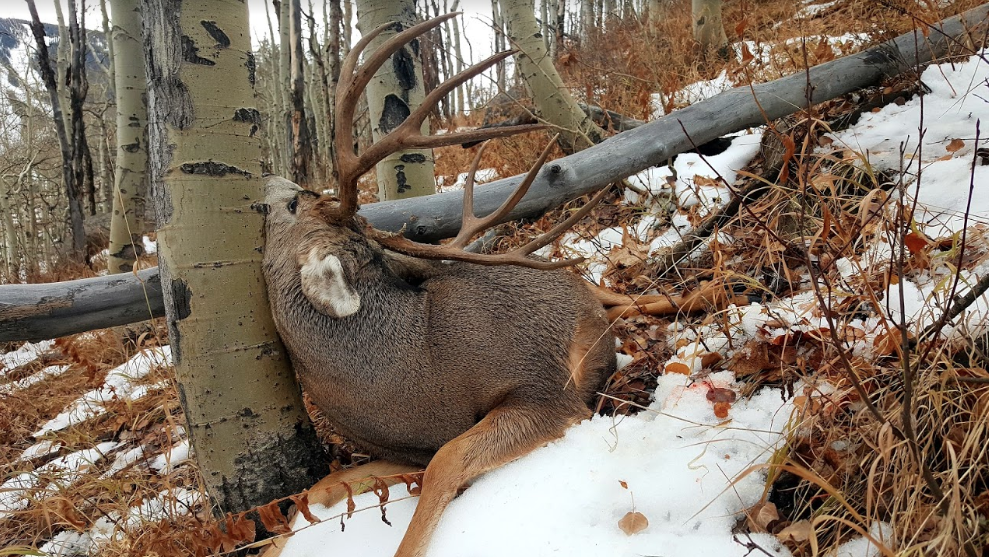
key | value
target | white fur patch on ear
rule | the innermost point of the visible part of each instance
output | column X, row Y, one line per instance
column 323, row 283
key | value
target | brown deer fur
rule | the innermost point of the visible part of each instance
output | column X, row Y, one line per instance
column 454, row 365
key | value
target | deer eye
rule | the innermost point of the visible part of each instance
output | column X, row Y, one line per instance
column 293, row 204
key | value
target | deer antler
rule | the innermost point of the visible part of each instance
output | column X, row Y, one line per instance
column 472, row 225
column 351, row 166
column 353, row 81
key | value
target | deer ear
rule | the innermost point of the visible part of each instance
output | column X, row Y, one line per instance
column 324, row 284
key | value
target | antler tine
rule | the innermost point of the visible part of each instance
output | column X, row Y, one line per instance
column 408, row 134
column 468, row 215
column 473, row 224
column 352, row 82
column 441, row 90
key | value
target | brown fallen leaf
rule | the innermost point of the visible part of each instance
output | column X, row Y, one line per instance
column 633, row 522
column 677, row 367
column 955, row 145
column 761, row 515
column 799, row 531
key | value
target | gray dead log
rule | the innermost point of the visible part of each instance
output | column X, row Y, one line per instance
column 45, row 311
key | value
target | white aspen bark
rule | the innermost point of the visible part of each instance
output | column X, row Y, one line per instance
column 709, row 28
column 127, row 224
column 395, row 91
column 252, row 437
column 553, row 100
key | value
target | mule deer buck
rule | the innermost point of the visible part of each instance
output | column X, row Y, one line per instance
column 459, row 366
column 455, row 366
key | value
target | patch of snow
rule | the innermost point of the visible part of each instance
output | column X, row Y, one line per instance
column 119, row 384
column 47, row 373
column 61, row 473
column 150, row 246
column 113, row 527
column 811, row 10
column 862, row 547
column 678, row 461
column 24, row 355
column 171, row 458
column 482, row 176
column 951, row 112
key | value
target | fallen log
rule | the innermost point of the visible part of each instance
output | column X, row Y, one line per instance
column 28, row 317
column 43, row 311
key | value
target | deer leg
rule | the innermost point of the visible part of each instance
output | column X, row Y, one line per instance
column 508, row 432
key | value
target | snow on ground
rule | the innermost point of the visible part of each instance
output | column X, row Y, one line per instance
column 49, row 372
column 61, row 473
column 23, row 355
column 678, row 460
column 120, row 384
column 700, row 181
column 166, row 504
column 952, row 111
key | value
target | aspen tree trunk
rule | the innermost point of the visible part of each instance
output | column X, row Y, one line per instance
column 9, row 234
column 73, row 190
column 464, row 89
column 553, row 100
column 130, row 180
column 395, row 91
column 252, row 437
column 655, row 14
column 301, row 140
column 273, row 122
column 498, row 22
column 586, row 20
column 334, row 51
column 709, row 29
column 348, row 17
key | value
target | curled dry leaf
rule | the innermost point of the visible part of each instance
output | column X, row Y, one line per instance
column 302, row 503
column 717, row 394
column 721, row 409
column 237, row 530
column 677, row 367
column 709, row 359
column 797, row 532
column 955, row 145
column 761, row 515
column 915, row 242
column 633, row 522
column 273, row 519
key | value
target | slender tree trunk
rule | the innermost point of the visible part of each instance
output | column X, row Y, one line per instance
column 334, row 51
column 130, row 183
column 301, row 140
column 553, row 100
column 73, row 189
column 11, row 263
column 709, row 28
column 248, row 426
column 395, row 91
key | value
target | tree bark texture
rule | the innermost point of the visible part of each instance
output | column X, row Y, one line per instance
column 301, row 140
column 438, row 216
column 252, row 437
column 130, row 189
column 395, row 91
column 709, row 28
column 553, row 100
column 73, row 189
